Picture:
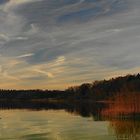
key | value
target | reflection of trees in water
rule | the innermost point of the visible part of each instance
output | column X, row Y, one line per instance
column 82, row 108
column 123, row 104
column 124, row 115
column 87, row 109
column 126, row 129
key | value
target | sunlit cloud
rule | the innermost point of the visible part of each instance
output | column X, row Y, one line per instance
column 50, row 75
column 25, row 55
column 10, row 4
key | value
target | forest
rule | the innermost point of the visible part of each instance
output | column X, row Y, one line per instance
column 96, row 91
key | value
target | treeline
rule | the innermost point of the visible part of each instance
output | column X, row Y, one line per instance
column 31, row 94
column 106, row 89
column 96, row 91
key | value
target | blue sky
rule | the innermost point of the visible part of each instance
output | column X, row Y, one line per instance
column 55, row 44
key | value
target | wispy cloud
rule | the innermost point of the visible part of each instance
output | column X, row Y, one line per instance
column 55, row 44
column 4, row 37
column 50, row 75
column 25, row 55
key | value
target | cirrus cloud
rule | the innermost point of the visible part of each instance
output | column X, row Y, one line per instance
column 56, row 44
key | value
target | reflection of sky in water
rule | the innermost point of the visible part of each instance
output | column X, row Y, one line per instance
column 51, row 125
column 60, row 125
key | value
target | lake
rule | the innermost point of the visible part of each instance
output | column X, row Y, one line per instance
column 116, row 119
column 65, row 124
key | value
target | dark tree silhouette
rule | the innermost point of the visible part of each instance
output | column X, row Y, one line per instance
column 96, row 91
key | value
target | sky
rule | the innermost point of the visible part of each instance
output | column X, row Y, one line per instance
column 55, row 44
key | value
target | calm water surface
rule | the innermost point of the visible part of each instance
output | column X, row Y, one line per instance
column 61, row 125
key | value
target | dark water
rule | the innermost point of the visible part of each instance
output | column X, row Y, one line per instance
column 66, row 121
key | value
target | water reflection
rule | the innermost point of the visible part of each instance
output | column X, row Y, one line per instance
column 126, row 105
column 124, row 116
column 124, row 123
column 84, row 109
column 61, row 125
column 126, row 129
